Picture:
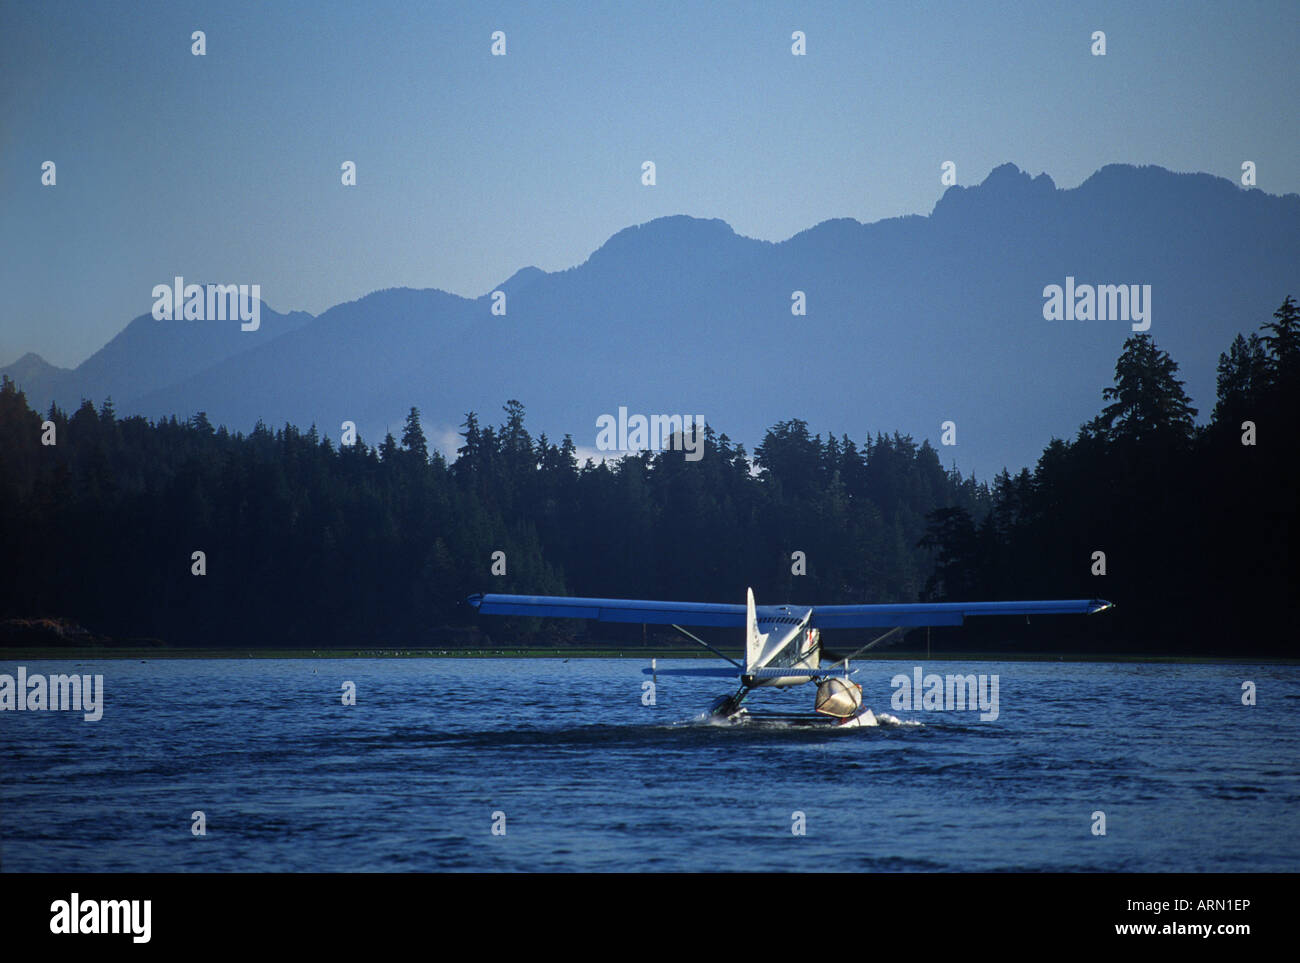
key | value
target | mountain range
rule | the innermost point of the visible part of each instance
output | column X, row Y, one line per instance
column 910, row 322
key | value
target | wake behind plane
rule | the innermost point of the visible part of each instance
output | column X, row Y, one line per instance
column 783, row 644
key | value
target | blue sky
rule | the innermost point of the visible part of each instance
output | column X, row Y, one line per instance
column 226, row 167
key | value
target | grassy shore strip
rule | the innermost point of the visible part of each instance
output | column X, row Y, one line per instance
column 20, row 653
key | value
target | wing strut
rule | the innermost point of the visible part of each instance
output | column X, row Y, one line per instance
column 886, row 639
column 695, row 638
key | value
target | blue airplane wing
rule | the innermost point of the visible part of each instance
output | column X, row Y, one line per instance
column 733, row 616
column 942, row 613
column 612, row 610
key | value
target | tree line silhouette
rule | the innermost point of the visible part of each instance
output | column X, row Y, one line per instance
column 1197, row 526
column 310, row 543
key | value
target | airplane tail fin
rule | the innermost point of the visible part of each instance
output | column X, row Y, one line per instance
column 753, row 641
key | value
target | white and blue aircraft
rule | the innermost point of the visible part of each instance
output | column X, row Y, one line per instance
column 782, row 642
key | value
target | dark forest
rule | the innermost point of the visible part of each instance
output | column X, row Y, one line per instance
column 311, row 544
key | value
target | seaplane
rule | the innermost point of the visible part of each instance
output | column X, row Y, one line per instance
column 782, row 643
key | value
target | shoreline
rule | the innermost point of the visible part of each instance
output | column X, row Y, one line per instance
column 101, row 653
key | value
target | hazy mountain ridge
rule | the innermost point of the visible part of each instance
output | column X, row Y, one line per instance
column 144, row 356
column 911, row 321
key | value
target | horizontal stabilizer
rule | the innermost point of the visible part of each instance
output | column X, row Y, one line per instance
column 771, row 673
column 718, row 673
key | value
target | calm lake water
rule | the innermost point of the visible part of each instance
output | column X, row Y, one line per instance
column 588, row 778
